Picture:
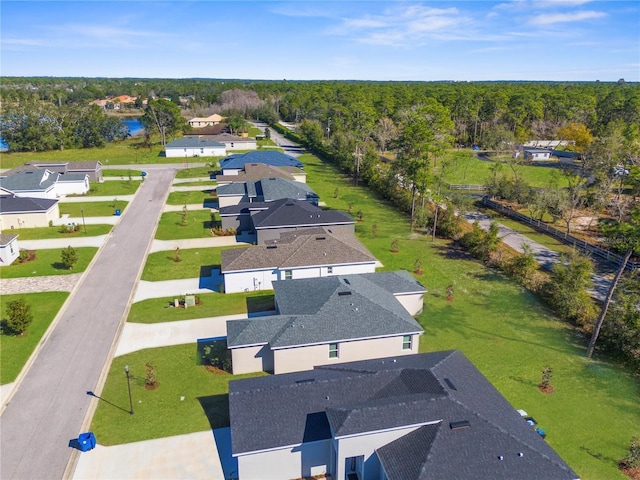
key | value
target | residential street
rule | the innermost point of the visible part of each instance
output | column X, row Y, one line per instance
column 50, row 405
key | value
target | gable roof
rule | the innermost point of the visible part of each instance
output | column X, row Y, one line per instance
column 30, row 180
column 324, row 310
column 268, row 157
column 61, row 167
column 194, row 142
column 14, row 204
column 269, row 189
column 303, row 248
column 253, row 172
column 291, row 212
column 7, row 238
column 427, row 392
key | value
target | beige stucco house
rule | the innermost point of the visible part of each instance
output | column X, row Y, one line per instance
column 323, row 321
column 25, row 212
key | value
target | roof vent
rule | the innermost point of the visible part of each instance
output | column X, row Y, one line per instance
column 306, row 380
column 343, row 294
column 321, row 238
column 269, row 247
column 450, row 384
column 500, row 457
column 459, row 425
column 521, row 454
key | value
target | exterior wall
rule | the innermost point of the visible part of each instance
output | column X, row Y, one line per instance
column 235, row 282
column 9, row 252
column 413, row 303
column 241, row 222
column 195, row 152
column 241, row 145
column 29, row 220
column 300, row 177
column 297, row 359
column 72, row 188
column 231, row 171
column 50, row 193
column 249, row 281
column 366, row 445
column 227, row 201
column 274, row 233
column 257, row 358
column 298, row 462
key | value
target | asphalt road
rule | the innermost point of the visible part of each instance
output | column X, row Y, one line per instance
column 51, row 402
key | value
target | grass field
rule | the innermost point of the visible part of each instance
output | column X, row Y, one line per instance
column 192, row 197
column 16, row 350
column 114, row 188
column 158, row 310
column 92, row 209
column 197, row 172
column 198, row 225
column 48, row 262
column 194, row 262
column 52, row 232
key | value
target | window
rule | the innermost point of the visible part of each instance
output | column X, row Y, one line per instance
column 406, row 342
column 329, row 270
column 333, row 350
column 287, row 275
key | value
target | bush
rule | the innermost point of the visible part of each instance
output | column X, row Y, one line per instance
column 19, row 316
column 632, row 460
column 221, row 232
column 69, row 257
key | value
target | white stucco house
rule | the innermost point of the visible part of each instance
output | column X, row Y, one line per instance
column 9, row 249
column 326, row 320
column 414, row 417
column 308, row 253
column 44, row 183
column 189, row 147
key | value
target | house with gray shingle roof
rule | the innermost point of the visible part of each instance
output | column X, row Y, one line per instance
column 93, row 168
column 44, row 183
column 326, row 320
column 194, row 147
column 9, row 249
column 314, row 252
column 253, row 172
column 430, row 416
column 264, row 190
column 27, row 212
column 234, row 164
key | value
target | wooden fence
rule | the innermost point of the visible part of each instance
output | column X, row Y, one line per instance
column 564, row 237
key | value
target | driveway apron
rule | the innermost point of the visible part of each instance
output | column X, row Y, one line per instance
column 51, row 401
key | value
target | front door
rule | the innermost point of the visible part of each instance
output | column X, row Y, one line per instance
column 353, row 467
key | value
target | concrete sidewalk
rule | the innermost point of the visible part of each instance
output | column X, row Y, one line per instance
column 52, row 243
column 85, row 199
column 205, row 242
column 192, row 456
column 177, row 288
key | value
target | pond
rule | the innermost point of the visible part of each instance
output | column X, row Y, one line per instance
column 133, row 124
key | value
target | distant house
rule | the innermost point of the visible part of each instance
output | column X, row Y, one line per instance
column 9, row 249
column 194, row 147
column 232, row 142
column 315, row 252
column 235, row 164
column 536, row 154
column 92, row 168
column 199, row 122
column 264, row 190
column 416, row 417
column 44, row 183
column 322, row 321
column 253, row 172
column 26, row 212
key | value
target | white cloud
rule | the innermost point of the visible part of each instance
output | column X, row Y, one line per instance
column 549, row 19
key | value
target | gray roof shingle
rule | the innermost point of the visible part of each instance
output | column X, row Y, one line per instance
column 253, row 172
column 273, row 158
column 194, row 142
column 13, row 204
column 30, row 180
column 270, row 189
column 288, row 212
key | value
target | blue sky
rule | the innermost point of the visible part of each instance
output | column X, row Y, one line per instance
column 303, row 40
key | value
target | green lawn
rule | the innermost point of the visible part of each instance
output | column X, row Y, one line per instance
column 114, row 188
column 466, row 168
column 189, row 397
column 128, row 172
column 194, row 262
column 158, row 310
column 47, row 262
column 198, row 225
column 15, row 351
column 92, row 209
column 45, row 233
column 192, row 197
column 197, row 172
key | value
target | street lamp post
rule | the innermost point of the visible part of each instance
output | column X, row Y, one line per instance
column 83, row 223
column 126, row 371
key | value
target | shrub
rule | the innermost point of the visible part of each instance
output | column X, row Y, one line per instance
column 632, row 460
column 69, row 257
column 19, row 316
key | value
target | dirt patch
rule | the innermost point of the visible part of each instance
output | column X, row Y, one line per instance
column 546, row 389
column 215, row 370
column 632, row 473
column 152, row 387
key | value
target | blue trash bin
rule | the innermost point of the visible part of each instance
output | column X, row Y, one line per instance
column 117, row 214
column 87, row 441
